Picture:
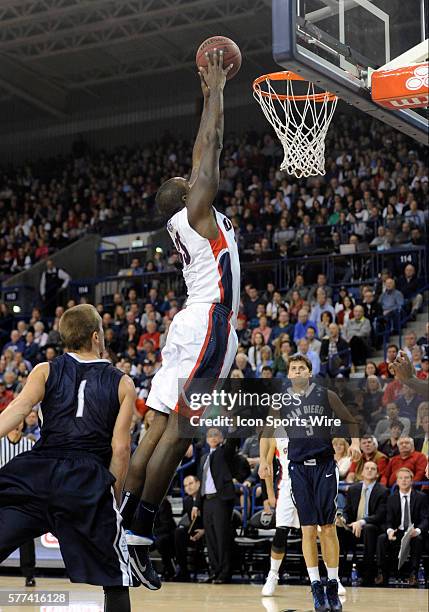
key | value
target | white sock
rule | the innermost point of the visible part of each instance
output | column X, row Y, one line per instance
column 332, row 573
column 313, row 573
column 275, row 565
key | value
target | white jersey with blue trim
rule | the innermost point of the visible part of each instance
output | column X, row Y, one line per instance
column 282, row 445
column 211, row 268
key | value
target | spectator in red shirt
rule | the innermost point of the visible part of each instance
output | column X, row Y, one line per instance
column 383, row 368
column 407, row 458
column 6, row 396
column 424, row 372
column 370, row 452
column 151, row 334
column 392, row 392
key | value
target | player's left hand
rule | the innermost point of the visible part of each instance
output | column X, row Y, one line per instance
column 354, row 452
column 402, row 367
column 413, row 533
column 197, row 535
column 427, row 470
column 356, row 528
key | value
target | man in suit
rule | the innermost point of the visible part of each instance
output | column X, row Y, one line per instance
column 184, row 534
column 334, row 354
column 404, row 508
column 364, row 513
column 216, row 499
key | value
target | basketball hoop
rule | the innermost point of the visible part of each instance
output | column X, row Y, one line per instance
column 301, row 122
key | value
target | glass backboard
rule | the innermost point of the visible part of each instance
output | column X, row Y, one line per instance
column 334, row 42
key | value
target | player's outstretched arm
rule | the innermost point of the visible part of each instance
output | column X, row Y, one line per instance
column 198, row 145
column 121, row 439
column 346, row 416
column 32, row 393
column 204, row 189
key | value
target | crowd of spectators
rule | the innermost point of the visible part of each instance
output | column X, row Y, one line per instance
column 374, row 196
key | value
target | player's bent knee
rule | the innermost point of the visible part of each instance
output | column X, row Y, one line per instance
column 279, row 540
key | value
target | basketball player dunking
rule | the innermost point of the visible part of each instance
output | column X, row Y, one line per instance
column 70, row 482
column 314, row 475
column 201, row 342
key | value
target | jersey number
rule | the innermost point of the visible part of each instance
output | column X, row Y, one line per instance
column 81, row 399
column 227, row 223
column 183, row 251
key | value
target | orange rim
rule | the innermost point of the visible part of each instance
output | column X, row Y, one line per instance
column 287, row 75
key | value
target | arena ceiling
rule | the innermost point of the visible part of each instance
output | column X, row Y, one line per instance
column 66, row 58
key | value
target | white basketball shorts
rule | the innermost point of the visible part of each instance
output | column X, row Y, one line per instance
column 201, row 343
column 286, row 513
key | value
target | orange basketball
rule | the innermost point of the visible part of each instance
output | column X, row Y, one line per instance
column 231, row 53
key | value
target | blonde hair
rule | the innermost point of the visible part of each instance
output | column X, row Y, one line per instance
column 342, row 441
column 77, row 326
column 422, row 410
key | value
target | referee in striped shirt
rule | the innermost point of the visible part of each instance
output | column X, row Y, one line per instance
column 10, row 446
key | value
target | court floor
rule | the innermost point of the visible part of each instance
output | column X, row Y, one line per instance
column 175, row 597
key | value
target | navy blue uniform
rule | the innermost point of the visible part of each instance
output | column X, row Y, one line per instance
column 312, row 468
column 63, row 485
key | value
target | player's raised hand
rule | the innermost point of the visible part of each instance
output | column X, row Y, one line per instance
column 204, row 86
column 215, row 73
column 402, row 367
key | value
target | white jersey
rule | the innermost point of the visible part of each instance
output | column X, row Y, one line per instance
column 211, row 268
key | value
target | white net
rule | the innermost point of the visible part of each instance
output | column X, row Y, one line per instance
column 300, row 124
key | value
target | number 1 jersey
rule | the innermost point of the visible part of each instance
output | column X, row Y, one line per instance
column 80, row 407
column 211, row 268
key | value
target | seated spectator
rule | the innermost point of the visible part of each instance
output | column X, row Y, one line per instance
column 254, row 353
column 151, row 334
column 282, row 353
column 373, row 395
column 410, row 341
column 295, row 305
column 341, row 447
column 322, row 283
column 392, row 391
column 409, row 286
column 16, row 342
column 31, row 427
column 391, row 300
column 371, row 307
column 242, row 364
column 40, row 336
column 408, row 402
column 263, row 329
column 185, row 536
column 302, row 325
column 370, row 452
column 390, row 446
column 383, row 367
column 323, row 326
column 334, row 354
column 274, row 307
column 344, row 310
column 416, row 358
column 422, row 436
column 357, row 332
column 322, row 305
column 365, row 513
column 405, row 507
column 283, row 326
column 313, row 343
column 382, row 430
column 266, row 361
column 251, row 302
column 6, row 396
column 304, row 349
column 298, row 285
column 408, row 458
